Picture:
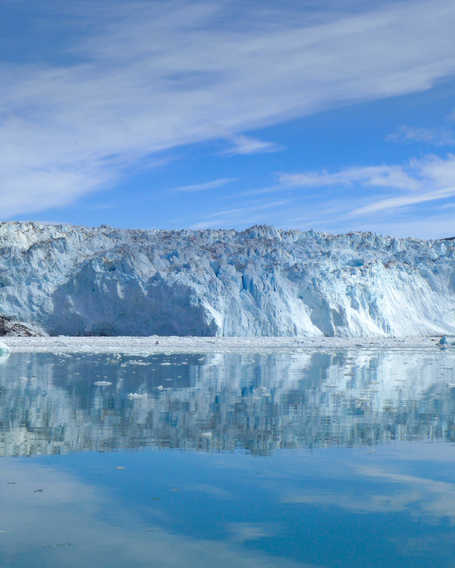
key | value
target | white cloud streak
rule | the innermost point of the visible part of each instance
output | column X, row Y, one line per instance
column 215, row 184
column 75, row 532
column 419, row 496
column 148, row 79
column 395, row 202
column 246, row 145
column 419, row 181
column 239, row 216
column 431, row 226
column 433, row 136
column 372, row 176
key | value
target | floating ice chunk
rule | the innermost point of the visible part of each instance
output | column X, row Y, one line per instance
column 102, row 383
column 136, row 395
column 206, row 434
column 4, row 348
column 4, row 352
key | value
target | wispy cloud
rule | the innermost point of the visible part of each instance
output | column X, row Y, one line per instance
column 144, row 79
column 216, row 183
column 395, row 202
column 244, row 532
column 73, row 512
column 372, row 176
column 249, row 214
column 417, row 496
column 245, row 145
column 373, row 503
column 433, row 136
column 419, row 181
column 432, row 225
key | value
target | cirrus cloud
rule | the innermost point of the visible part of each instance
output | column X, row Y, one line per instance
column 145, row 79
column 418, row 181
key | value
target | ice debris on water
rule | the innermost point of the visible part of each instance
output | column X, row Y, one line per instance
column 136, row 395
column 206, row 434
column 4, row 352
column 102, row 383
column 258, row 282
column 4, row 348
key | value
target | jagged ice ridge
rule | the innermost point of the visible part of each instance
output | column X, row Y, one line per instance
column 258, row 282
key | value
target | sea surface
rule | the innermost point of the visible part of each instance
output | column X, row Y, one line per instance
column 342, row 458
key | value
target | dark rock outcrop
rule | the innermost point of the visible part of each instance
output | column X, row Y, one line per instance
column 17, row 329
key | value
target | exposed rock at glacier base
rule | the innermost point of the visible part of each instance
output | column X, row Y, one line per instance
column 11, row 328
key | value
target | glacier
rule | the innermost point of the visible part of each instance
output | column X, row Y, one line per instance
column 263, row 281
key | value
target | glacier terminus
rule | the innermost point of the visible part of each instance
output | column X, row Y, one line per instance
column 68, row 280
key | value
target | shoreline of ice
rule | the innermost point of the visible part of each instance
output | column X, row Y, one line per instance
column 160, row 344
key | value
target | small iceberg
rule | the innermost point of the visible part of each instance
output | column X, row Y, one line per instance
column 136, row 395
column 4, row 352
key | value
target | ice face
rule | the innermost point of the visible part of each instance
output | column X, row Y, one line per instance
column 258, row 282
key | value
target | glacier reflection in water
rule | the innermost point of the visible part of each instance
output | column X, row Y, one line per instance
column 51, row 404
column 304, row 460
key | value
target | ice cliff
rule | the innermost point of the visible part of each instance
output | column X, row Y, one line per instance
column 261, row 281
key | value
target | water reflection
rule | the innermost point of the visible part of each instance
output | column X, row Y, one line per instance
column 52, row 404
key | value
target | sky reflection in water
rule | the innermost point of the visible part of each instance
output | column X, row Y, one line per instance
column 314, row 459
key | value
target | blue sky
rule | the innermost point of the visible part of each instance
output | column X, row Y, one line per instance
column 332, row 115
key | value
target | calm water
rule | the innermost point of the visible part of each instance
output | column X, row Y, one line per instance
column 310, row 460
